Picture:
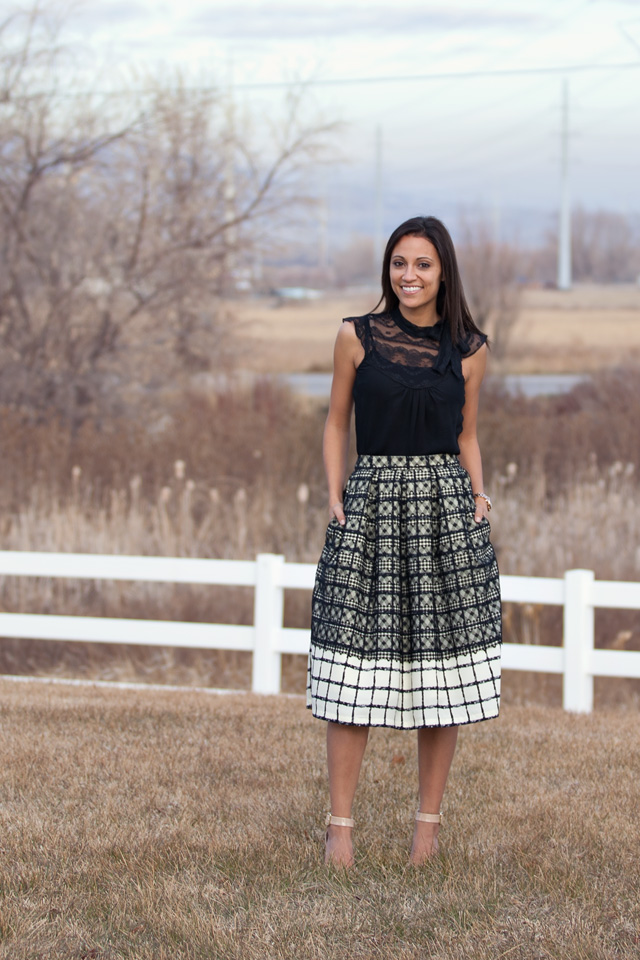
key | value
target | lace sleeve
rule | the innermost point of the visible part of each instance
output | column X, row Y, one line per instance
column 361, row 327
column 471, row 343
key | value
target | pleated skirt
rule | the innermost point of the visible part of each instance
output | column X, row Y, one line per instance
column 406, row 613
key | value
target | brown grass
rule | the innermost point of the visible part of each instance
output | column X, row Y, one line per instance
column 162, row 826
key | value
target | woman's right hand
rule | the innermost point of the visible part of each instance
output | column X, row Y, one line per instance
column 337, row 511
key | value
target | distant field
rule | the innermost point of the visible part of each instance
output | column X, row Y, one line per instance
column 166, row 826
column 584, row 329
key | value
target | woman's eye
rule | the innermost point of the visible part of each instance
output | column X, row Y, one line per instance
column 424, row 266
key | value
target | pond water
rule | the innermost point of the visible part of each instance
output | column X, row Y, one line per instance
column 529, row 384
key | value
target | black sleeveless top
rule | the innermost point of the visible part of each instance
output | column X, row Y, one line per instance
column 409, row 388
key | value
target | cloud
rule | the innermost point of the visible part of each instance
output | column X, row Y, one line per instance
column 118, row 11
column 298, row 20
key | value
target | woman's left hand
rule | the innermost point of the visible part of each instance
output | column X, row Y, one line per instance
column 482, row 510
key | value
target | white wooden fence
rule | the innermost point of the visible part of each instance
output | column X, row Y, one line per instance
column 577, row 592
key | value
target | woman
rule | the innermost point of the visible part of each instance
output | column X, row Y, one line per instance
column 406, row 626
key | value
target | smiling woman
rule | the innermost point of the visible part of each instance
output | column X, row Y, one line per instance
column 406, row 616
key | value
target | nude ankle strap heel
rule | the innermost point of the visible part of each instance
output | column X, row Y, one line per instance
column 338, row 860
column 429, row 817
column 332, row 821
column 419, row 853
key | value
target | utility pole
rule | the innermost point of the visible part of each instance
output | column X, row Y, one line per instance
column 564, row 225
column 378, row 229
column 230, row 236
column 323, row 233
column 496, row 219
column 323, row 221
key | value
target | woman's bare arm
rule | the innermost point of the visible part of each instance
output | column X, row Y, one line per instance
column 473, row 369
column 347, row 354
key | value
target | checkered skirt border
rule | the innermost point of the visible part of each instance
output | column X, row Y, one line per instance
column 406, row 614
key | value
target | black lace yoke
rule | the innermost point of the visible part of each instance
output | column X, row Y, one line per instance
column 409, row 387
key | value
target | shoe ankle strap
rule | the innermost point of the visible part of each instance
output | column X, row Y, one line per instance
column 339, row 821
column 429, row 817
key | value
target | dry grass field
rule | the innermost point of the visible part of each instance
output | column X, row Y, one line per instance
column 161, row 826
column 584, row 329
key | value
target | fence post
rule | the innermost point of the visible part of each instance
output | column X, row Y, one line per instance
column 268, row 609
column 577, row 694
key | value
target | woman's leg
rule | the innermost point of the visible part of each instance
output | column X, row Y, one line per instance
column 345, row 750
column 436, row 746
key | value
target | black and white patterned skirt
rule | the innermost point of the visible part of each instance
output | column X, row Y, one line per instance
column 406, row 616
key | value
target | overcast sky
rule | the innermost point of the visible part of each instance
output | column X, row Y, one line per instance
column 448, row 141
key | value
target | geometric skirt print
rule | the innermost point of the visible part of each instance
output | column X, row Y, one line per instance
column 406, row 613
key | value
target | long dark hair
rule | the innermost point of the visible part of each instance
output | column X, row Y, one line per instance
column 451, row 304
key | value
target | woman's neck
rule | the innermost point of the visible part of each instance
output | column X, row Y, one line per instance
column 425, row 316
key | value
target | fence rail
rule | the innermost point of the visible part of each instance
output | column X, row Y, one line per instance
column 577, row 592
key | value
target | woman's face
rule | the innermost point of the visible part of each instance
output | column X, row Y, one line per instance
column 415, row 272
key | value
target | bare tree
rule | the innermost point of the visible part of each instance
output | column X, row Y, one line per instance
column 44, row 155
column 352, row 264
column 604, row 248
column 120, row 235
column 490, row 272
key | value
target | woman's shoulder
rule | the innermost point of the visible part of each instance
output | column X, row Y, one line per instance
column 350, row 342
column 470, row 342
column 349, row 329
column 360, row 326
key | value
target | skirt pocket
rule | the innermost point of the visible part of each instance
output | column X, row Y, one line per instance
column 333, row 538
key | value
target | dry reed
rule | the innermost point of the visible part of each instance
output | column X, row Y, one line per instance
column 240, row 473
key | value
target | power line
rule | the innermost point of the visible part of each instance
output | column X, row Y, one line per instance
column 452, row 75
column 366, row 81
column 564, row 222
column 535, row 38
